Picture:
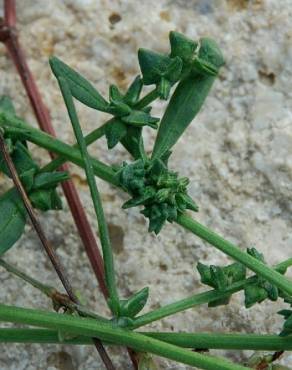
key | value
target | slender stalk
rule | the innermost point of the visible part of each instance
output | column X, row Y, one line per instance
column 233, row 251
column 108, row 333
column 100, row 131
column 102, row 225
column 17, row 126
column 186, row 340
column 46, row 289
column 46, row 244
column 58, row 298
column 225, row 341
column 56, row 262
column 89, row 139
column 42, row 115
column 147, row 99
column 184, row 304
column 198, row 299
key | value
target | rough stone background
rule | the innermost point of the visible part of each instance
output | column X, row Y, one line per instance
column 237, row 153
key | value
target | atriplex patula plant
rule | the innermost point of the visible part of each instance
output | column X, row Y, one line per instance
column 190, row 68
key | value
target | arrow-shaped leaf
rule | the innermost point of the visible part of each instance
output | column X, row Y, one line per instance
column 12, row 219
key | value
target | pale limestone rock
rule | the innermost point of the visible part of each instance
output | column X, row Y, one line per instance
column 237, row 153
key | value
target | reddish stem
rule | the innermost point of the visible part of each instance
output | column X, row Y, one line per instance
column 9, row 36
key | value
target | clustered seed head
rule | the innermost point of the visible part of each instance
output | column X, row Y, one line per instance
column 162, row 193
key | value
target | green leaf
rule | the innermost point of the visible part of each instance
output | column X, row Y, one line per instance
column 153, row 65
column 254, row 294
column 48, row 180
column 12, row 219
column 260, row 289
column 133, row 142
column 148, row 193
column 133, row 93
column 118, row 108
column 27, row 179
column 183, row 47
column 21, row 158
column 188, row 97
column 46, row 200
column 183, row 106
column 159, row 69
column 80, row 88
column 210, row 57
column 115, row 94
column 132, row 306
column 140, row 118
column 114, row 132
column 220, row 278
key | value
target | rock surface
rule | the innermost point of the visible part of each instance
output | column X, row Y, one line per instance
column 237, row 153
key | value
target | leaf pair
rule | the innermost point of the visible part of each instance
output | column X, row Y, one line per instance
column 132, row 306
column 256, row 288
column 128, row 121
column 126, row 125
column 201, row 64
column 220, row 278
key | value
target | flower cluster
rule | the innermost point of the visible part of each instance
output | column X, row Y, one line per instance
column 162, row 193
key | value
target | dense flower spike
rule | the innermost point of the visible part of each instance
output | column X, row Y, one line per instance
column 160, row 190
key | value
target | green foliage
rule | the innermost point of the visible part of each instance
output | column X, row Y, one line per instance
column 132, row 306
column 287, row 327
column 202, row 63
column 260, row 289
column 220, row 278
column 159, row 190
column 193, row 66
column 159, row 69
column 40, row 187
column 80, row 88
column 127, row 123
column 12, row 219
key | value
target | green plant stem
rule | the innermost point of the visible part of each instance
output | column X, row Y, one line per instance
column 100, row 131
column 225, row 341
column 16, row 126
column 197, row 299
column 186, row 340
column 89, row 139
column 147, row 99
column 184, row 304
column 52, row 293
column 46, row 289
column 108, row 333
column 102, row 225
column 233, row 251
